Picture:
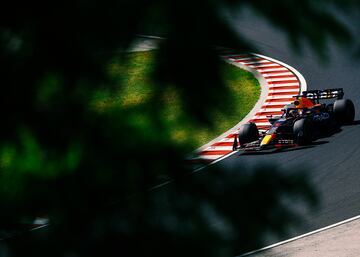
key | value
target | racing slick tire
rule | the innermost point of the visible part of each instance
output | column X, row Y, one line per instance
column 344, row 111
column 303, row 132
column 248, row 133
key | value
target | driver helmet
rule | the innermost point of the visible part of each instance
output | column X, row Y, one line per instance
column 293, row 113
column 287, row 108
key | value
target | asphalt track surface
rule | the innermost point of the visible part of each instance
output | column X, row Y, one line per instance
column 334, row 162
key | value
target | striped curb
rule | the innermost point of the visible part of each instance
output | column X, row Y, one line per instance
column 282, row 82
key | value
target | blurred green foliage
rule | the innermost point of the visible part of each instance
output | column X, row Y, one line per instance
column 133, row 74
column 62, row 159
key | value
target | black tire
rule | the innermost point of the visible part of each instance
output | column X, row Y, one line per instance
column 248, row 133
column 303, row 131
column 344, row 111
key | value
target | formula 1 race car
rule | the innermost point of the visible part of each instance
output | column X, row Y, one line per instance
column 302, row 121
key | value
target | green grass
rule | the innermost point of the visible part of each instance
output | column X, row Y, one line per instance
column 137, row 90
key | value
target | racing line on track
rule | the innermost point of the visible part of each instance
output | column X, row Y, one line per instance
column 282, row 82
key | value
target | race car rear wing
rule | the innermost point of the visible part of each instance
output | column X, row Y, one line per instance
column 323, row 94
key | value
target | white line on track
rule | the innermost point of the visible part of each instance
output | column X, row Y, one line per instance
column 296, row 72
column 208, row 157
column 216, row 161
column 39, row 227
column 219, row 148
column 301, row 236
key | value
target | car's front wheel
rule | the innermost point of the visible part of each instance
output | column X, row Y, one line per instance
column 303, row 131
column 248, row 133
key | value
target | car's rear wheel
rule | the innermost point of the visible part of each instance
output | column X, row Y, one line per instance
column 248, row 133
column 344, row 111
column 303, row 131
